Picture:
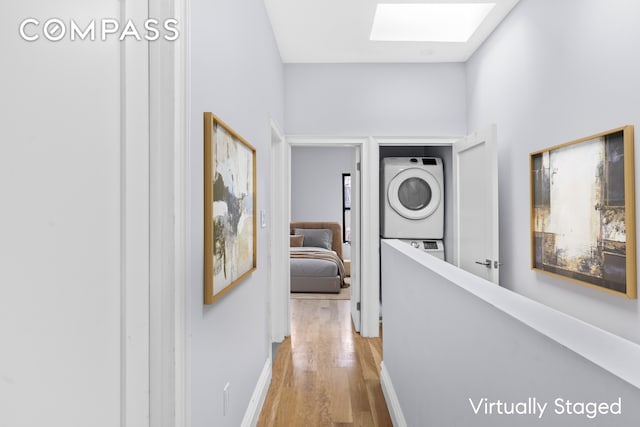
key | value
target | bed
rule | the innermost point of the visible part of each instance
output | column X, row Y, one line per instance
column 316, row 257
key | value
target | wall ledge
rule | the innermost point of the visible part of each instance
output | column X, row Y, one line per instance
column 613, row 353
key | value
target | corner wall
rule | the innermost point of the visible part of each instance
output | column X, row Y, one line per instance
column 237, row 74
column 554, row 72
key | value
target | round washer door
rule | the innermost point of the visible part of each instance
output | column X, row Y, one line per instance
column 414, row 193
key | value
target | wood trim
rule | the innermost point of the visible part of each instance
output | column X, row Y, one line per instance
column 182, row 211
column 417, row 141
column 325, row 141
column 370, row 242
column 208, row 208
column 630, row 211
column 252, row 414
column 390, row 396
column 169, row 302
column 532, row 219
column 255, row 206
column 356, row 239
column 586, row 138
column 135, row 222
column 278, row 237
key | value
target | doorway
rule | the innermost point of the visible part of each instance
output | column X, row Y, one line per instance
column 316, row 165
column 318, row 191
column 365, row 243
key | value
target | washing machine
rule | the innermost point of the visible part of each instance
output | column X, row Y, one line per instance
column 432, row 247
column 412, row 198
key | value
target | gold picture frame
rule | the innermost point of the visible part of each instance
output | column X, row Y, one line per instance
column 230, row 250
column 583, row 211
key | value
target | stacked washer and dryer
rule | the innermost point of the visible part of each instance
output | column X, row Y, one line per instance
column 412, row 189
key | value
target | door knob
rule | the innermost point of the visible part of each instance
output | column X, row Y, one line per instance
column 486, row 263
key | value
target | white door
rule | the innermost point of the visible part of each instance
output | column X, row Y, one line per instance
column 476, row 203
column 356, row 236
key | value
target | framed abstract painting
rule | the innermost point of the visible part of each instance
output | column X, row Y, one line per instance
column 583, row 211
column 229, row 208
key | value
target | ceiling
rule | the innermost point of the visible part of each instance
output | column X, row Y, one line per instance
column 337, row 31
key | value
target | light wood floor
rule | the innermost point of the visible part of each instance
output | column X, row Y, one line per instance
column 325, row 374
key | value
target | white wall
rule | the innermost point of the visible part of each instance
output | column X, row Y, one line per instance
column 552, row 73
column 479, row 341
column 375, row 99
column 237, row 74
column 316, row 183
column 64, row 276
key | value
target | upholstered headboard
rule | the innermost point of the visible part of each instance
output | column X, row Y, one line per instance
column 336, row 230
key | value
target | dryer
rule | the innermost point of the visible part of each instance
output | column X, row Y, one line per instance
column 412, row 198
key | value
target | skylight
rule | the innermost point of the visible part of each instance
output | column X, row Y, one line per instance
column 428, row 22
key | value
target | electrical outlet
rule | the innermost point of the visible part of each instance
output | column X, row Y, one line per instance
column 225, row 399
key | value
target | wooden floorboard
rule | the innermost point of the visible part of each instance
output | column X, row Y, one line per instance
column 325, row 374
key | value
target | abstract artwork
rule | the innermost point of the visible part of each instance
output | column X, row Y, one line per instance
column 583, row 211
column 229, row 208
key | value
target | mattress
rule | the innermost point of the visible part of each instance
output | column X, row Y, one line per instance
column 313, row 274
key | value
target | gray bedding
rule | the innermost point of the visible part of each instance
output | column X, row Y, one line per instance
column 312, row 267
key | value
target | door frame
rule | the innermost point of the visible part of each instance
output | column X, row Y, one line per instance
column 169, row 315
column 279, row 216
column 356, row 239
column 369, row 277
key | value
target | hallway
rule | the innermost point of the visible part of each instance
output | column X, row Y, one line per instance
column 325, row 374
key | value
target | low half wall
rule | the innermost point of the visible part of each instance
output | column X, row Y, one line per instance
column 461, row 351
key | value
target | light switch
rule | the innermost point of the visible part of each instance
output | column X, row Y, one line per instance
column 263, row 218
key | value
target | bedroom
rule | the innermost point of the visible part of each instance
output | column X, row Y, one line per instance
column 317, row 178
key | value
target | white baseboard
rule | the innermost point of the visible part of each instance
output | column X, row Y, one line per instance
column 397, row 417
column 257, row 398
